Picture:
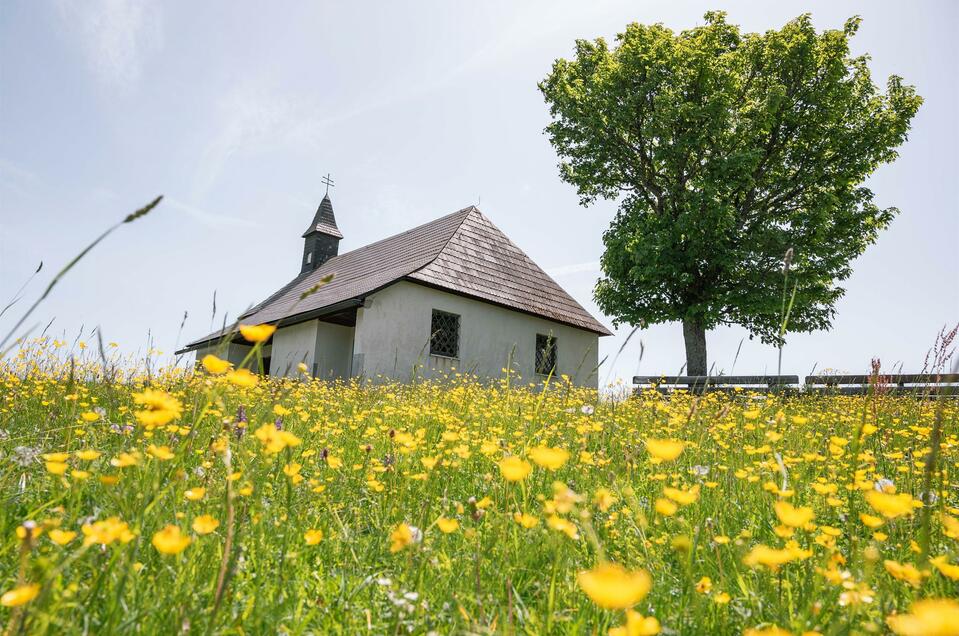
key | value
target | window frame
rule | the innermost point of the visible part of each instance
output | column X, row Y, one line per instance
column 550, row 348
column 434, row 330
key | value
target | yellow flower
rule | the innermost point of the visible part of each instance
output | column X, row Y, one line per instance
column 613, row 587
column 770, row 557
column 56, row 468
column 950, row 526
column 275, row 441
column 704, row 585
column 904, row 572
column 123, row 460
column 665, row 507
column 526, row 520
column 665, row 449
column 636, row 625
column 56, row 457
column 106, row 532
column 946, row 568
column 890, row 506
column 87, row 455
column 215, row 365
column 514, row 468
column 870, row 521
column 401, row 537
column 195, row 494
column 160, row 452
column 562, row 525
column 604, row 499
column 62, row 537
column 682, row 497
column 242, row 378
column 447, row 525
column 20, row 595
column 792, row 516
column 313, row 537
column 170, row 540
column 772, row 630
column 550, row 458
column 257, row 333
column 89, row 416
column 205, row 524
column 931, row 617
column 160, row 408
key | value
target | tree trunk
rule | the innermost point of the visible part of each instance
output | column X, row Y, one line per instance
column 694, row 333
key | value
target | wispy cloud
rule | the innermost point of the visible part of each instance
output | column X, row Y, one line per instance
column 577, row 268
column 254, row 121
column 210, row 219
column 114, row 35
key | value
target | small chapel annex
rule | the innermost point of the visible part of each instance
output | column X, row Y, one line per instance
column 453, row 295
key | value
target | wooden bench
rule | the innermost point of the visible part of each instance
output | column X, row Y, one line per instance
column 717, row 383
column 919, row 384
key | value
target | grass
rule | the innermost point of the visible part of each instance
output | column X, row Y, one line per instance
column 375, row 467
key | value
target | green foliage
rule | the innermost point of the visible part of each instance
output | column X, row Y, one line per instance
column 724, row 150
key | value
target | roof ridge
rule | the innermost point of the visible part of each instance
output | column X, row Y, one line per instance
column 407, row 231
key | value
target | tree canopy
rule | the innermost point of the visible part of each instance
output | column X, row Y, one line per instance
column 725, row 150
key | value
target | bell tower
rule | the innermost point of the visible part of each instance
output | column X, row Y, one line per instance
column 321, row 241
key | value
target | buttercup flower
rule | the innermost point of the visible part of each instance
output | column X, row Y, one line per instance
column 20, row 595
column 613, row 587
column 170, row 540
column 665, row 449
column 159, row 407
column 514, row 468
column 257, row 333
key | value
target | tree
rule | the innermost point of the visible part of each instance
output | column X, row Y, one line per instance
column 726, row 150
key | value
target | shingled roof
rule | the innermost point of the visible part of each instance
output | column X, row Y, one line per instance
column 462, row 252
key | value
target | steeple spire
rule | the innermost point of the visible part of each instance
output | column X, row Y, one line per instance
column 321, row 241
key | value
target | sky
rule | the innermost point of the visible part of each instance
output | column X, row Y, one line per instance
column 235, row 110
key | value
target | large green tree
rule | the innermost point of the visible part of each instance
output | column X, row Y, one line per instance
column 725, row 151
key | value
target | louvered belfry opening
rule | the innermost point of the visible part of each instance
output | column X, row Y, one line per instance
column 321, row 241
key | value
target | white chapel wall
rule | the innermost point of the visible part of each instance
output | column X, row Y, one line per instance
column 392, row 335
column 292, row 345
column 334, row 351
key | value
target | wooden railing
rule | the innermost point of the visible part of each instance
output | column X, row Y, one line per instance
column 722, row 383
column 933, row 384
column 919, row 384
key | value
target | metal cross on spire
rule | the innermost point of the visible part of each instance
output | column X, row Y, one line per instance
column 328, row 182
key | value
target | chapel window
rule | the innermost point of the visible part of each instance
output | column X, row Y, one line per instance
column 545, row 354
column 445, row 334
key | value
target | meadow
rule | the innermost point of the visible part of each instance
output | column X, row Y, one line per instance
column 152, row 501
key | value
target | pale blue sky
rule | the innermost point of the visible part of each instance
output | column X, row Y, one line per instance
column 234, row 110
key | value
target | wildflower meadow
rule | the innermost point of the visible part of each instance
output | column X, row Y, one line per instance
column 140, row 500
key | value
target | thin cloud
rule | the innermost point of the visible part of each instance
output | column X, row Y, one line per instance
column 114, row 35
column 210, row 219
column 577, row 268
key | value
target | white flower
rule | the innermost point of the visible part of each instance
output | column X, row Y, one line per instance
column 587, row 409
column 416, row 533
